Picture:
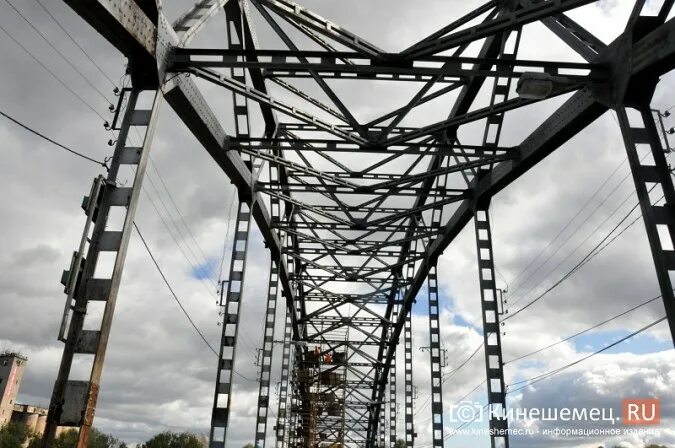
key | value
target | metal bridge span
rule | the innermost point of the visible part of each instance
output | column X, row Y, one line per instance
column 355, row 215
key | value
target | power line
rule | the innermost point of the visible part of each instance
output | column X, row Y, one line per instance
column 576, row 230
column 465, row 362
column 73, row 66
column 550, row 373
column 227, row 237
column 54, row 75
column 565, row 227
column 53, row 142
column 205, row 259
column 173, row 294
column 171, row 234
column 44, row 8
column 103, row 164
column 572, row 271
column 168, row 228
column 197, row 262
column 448, row 375
column 576, row 248
column 553, row 372
column 78, row 154
column 594, row 251
column 584, row 331
column 247, row 344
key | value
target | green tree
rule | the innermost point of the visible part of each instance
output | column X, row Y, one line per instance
column 13, row 435
column 249, row 445
column 97, row 439
column 400, row 443
column 67, row 439
column 169, row 439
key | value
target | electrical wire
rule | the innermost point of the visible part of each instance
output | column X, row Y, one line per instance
column 576, row 230
column 53, row 47
column 173, row 294
column 227, row 237
column 82, row 100
column 551, row 373
column 247, row 344
column 54, row 75
column 465, row 362
column 205, row 262
column 563, row 229
column 75, row 153
column 576, row 248
column 647, row 302
column 78, row 154
column 52, row 141
column 196, row 263
column 77, row 44
column 173, row 237
column 449, row 375
column 596, row 249
column 168, row 228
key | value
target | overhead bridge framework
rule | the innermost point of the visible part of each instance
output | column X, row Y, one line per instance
column 355, row 215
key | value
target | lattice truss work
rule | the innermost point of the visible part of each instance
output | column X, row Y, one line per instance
column 355, row 214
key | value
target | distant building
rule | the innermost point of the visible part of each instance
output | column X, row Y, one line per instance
column 12, row 366
column 33, row 417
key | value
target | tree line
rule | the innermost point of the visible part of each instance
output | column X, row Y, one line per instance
column 16, row 435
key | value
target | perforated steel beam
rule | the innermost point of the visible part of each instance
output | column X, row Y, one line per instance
column 266, row 358
column 393, row 433
column 494, row 364
column 651, row 172
column 73, row 403
column 282, row 426
column 231, row 303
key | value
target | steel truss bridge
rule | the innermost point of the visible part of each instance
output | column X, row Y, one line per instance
column 355, row 215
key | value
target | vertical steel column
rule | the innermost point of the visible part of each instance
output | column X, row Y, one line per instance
column 392, row 395
column 282, row 412
column 501, row 88
column 382, row 426
column 407, row 358
column 73, row 403
column 435, row 358
column 292, row 426
column 435, row 336
column 494, row 365
column 223, row 395
column 267, row 356
column 236, row 41
column 491, row 327
column 653, row 173
column 228, row 343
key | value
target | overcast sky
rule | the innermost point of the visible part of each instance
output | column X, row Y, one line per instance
column 159, row 375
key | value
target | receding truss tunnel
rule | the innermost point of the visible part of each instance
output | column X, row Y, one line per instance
column 356, row 214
